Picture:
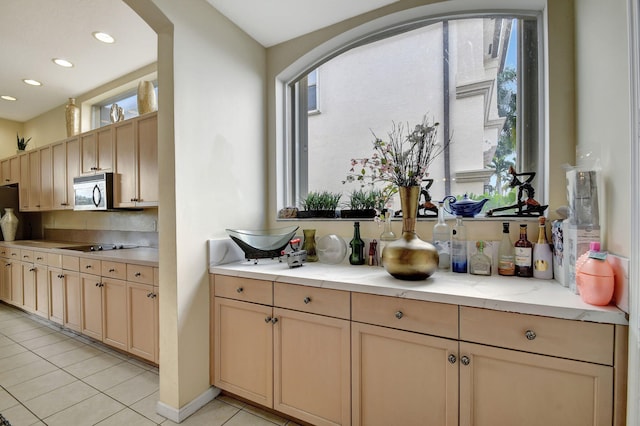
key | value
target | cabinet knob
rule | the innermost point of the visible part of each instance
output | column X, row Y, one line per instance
column 64, row 204
column 97, row 284
column 465, row 360
column 268, row 320
column 452, row 359
column 307, row 300
column 399, row 314
column 239, row 289
column 274, row 320
column 153, row 295
column 101, row 284
column 149, row 294
column 7, row 265
column 60, row 276
column 137, row 274
column 32, row 269
column 39, row 258
column 88, row 267
column 7, row 180
column 112, row 270
column 530, row 335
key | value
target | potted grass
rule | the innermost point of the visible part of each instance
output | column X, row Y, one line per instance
column 22, row 143
column 362, row 204
column 320, row 204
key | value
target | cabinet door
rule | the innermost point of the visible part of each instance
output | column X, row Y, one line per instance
column 24, row 181
column 89, row 153
column 91, row 293
column 506, row 387
column 17, row 295
column 147, row 161
column 312, row 364
column 125, row 159
column 403, row 378
column 104, row 146
column 243, row 358
column 29, row 286
column 15, row 169
column 34, row 180
column 5, row 283
column 72, row 301
column 5, row 171
column 42, row 291
column 46, row 179
column 72, row 170
column 56, row 295
column 59, row 175
column 142, row 314
column 114, row 317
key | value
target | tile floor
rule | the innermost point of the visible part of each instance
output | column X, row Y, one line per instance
column 50, row 376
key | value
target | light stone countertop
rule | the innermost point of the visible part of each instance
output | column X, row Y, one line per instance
column 511, row 294
column 146, row 256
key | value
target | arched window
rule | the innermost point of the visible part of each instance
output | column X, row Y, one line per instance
column 477, row 75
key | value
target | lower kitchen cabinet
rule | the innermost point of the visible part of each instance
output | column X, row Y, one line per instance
column 29, row 289
column 243, row 358
column 17, row 295
column 403, row 378
column 42, row 285
column 505, row 387
column 91, row 299
column 56, row 295
column 5, row 280
column 142, row 316
column 114, row 313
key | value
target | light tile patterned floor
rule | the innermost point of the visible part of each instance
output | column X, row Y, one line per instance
column 50, row 376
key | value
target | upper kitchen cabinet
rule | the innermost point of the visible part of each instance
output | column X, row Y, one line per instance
column 45, row 199
column 10, row 170
column 66, row 161
column 96, row 149
column 136, row 162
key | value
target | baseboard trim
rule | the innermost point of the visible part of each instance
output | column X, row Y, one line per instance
column 177, row 415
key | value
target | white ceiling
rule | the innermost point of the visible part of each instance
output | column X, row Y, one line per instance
column 33, row 32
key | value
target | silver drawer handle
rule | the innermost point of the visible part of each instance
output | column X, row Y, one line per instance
column 268, row 320
column 465, row 360
column 452, row 359
column 137, row 274
column 307, row 300
column 530, row 335
column 240, row 289
column 399, row 314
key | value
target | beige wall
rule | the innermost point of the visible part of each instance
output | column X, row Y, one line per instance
column 212, row 163
column 603, row 88
column 8, row 143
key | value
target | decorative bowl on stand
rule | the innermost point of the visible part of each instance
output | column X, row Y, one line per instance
column 262, row 243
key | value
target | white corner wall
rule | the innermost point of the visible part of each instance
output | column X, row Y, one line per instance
column 212, row 171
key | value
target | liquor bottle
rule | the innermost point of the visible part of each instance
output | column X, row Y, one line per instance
column 442, row 239
column 480, row 263
column 506, row 256
column 542, row 255
column 459, row 247
column 357, row 247
column 387, row 235
column 523, row 252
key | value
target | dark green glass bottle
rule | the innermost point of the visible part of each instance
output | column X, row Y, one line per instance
column 357, row 247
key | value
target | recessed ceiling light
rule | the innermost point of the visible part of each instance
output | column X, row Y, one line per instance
column 62, row 62
column 103, row 37
column 8, row 98
column 32, row 82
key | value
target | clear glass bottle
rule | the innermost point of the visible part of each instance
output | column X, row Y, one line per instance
column 387, row 235
column 442, row 239
column 523, row 253
column 459, row 247
column 542, row 255
column 309, row 244
column 357, row 247
column 480, row 263
column 506, row 254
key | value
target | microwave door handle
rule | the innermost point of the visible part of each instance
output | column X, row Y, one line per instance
column 97, row 196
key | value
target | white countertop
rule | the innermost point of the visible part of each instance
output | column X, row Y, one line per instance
column 511, row 294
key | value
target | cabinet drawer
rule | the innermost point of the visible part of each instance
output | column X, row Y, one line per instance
column 114, row 270
column 140, row 274
column 585, row 341
column 14, row 253
column 26, row 255
column 54, row 260
column 438, row 319
column 40, row 257
column 90, row 266
column 70, row 263
column 323, row 301
column 248, row 290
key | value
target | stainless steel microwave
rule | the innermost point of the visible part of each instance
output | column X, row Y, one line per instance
column 94, row 192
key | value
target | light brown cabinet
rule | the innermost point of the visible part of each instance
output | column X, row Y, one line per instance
column 298, row 362
column 56, row 295
column 136, row 162
column 96, row 148
column 114, row 317
column 142, row 317
column 10, row 170
column 5, row 280
column 33, row 201
column 42, row 284
column 411, row 361
column 45, row 189
column 25, row 179
column 66, row 166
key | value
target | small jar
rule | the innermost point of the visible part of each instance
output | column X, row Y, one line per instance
column 309, row 244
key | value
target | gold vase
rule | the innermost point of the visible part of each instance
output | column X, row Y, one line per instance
column 72, row 117
column 409, row 258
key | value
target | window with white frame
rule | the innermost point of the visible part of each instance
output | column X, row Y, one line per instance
column 478, row 76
